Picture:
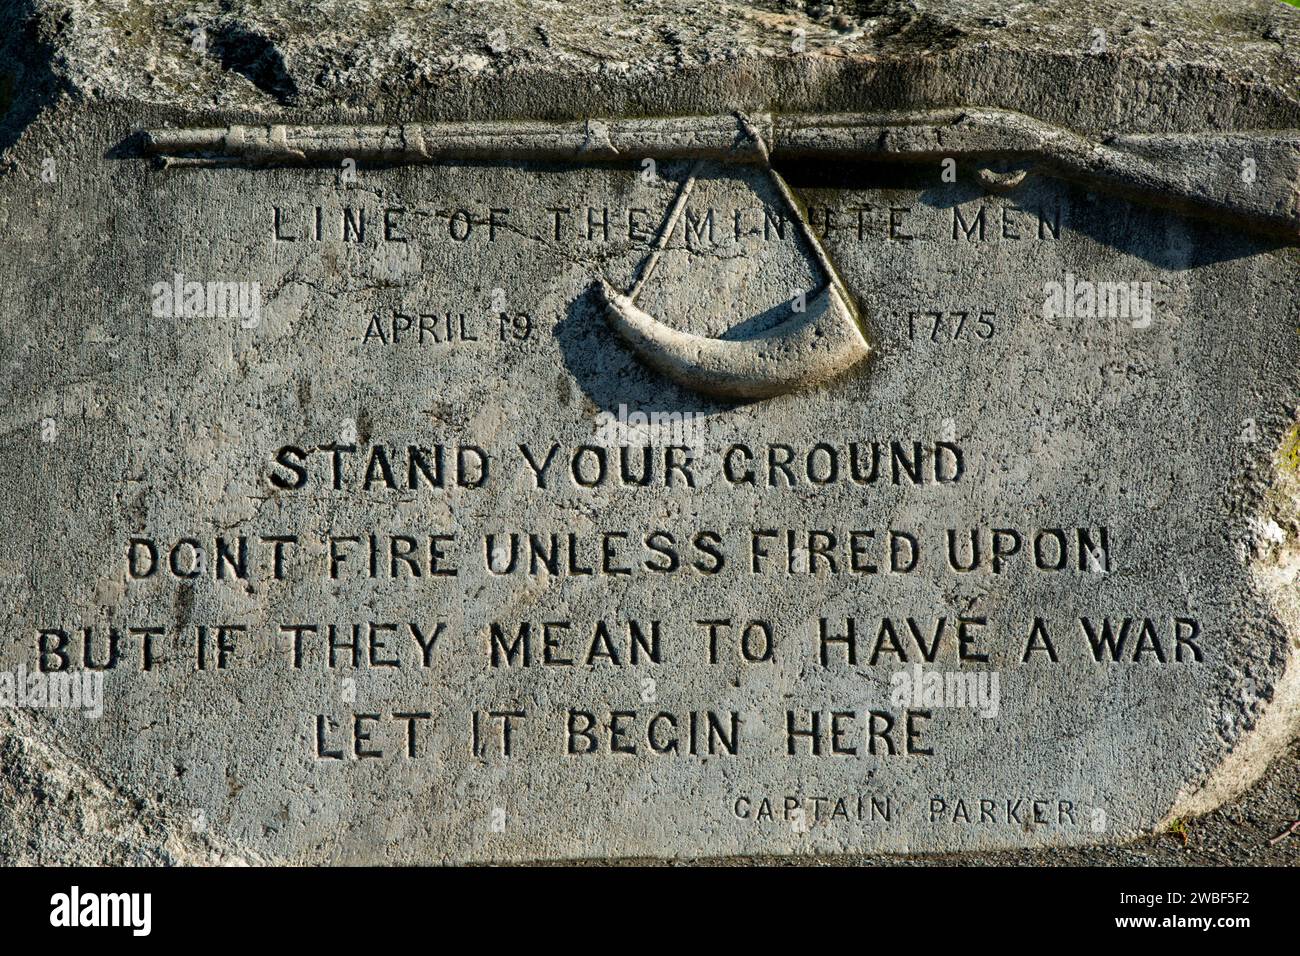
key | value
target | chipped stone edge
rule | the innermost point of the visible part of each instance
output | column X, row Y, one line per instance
column 150, row 829
column 1275, row 571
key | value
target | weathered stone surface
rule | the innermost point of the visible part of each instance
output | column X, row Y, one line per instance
column 1158, row 449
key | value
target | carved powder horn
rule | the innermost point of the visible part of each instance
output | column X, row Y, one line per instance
column 818, row 340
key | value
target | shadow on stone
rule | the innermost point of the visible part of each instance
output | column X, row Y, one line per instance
column 1164, row 237
column 254, row 57
column 611, row 376
column 27, row 84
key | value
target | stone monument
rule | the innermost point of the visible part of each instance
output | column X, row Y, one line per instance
column 519, row 432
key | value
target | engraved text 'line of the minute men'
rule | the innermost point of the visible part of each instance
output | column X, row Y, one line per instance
column 1199, row 173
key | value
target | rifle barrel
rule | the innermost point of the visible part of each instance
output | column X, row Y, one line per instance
column 1249, row 177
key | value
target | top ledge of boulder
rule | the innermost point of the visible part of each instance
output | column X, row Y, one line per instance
column 1107, row 64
